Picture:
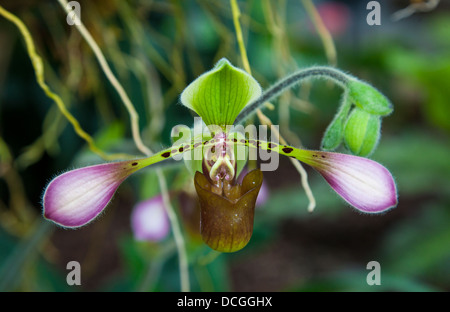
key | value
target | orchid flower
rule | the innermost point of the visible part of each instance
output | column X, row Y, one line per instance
column 224, row 96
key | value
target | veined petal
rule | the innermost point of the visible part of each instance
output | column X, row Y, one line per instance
column 78, row 196
column 149, row 220
column 363, row 183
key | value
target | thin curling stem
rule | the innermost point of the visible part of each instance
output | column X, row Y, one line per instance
column 134, row 117
column 329, row 73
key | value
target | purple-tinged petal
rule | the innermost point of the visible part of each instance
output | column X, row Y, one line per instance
column 264, row 192
column 78, row 196
column 263, row 195
column 149, row 220
column 363, row 183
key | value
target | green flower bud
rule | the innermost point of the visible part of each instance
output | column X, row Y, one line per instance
column 335, row 132
column 362, row 131
column 368, row 98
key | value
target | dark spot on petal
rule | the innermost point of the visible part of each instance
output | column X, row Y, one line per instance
column 287, row 150
column 181, row 149
column 272, row 145
column 234, row 140
column 314, row 155
column 166, row 154
column 134, row 164
column 323, row 156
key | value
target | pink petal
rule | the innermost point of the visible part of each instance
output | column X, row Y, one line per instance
column 78, row 196
column 264, row 192
column 363, row 183
column 149, row 220
column 263, row 195
column 336, row 17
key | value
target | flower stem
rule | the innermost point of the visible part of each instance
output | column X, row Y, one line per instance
column 134, row 118
column 236, row 14
column 261, row 116
column 178, row 236
column 325, row 36
column 329, row 73
column 38, row 66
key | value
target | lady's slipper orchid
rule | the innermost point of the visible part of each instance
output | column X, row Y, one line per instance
column 223, row 96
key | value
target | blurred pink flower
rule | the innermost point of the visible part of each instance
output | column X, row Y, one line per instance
column 149, row 220
column 335, row 16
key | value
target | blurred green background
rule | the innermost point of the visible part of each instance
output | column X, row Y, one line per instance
column 156, row 48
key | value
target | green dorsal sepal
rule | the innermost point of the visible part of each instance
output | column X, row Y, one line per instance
column 219, row 95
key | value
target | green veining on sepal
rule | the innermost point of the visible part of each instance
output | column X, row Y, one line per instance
column 218, row 96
